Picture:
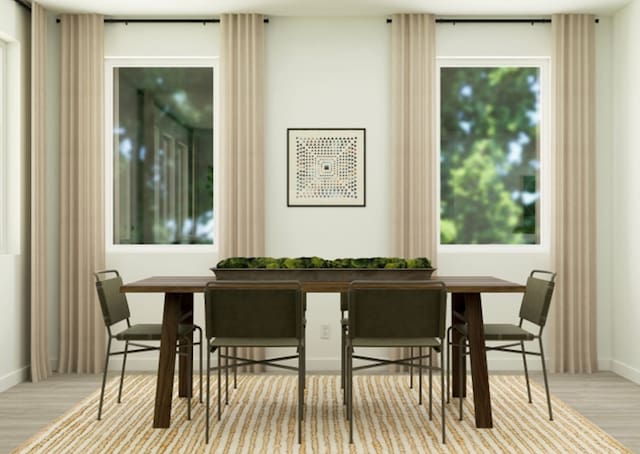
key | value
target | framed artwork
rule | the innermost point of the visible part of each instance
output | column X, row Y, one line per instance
column 326, row 167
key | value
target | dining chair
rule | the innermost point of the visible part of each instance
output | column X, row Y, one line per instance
column 265, row 314
column 533, row 310
column 115, row 309
column 396, row 314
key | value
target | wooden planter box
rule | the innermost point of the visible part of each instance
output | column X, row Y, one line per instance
column 322, row 274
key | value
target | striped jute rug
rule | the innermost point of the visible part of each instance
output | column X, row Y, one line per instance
column 261, row 417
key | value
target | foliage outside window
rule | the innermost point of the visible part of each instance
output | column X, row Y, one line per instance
column 490, row 157
column 163, row 155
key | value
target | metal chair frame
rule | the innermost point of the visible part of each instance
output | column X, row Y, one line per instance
column 240, row 361
column 505, row 347
column 141, row 348
column 350, row 356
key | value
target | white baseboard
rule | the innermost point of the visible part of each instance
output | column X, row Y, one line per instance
column 14, row 378
column 626, row 371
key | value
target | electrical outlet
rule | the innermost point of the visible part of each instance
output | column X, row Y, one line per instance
column 324, row 331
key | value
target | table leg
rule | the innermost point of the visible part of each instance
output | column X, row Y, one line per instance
column 167, row 360
column 479, row 372
column 185, row 362
column 457, row 317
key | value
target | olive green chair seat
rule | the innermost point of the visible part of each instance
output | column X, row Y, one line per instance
column 254, row 314
column 395, row 314
column 396, row 342
column 149, row 332
column 254, row 342
column 534, row 310
column 502, row 332
column 115, row 310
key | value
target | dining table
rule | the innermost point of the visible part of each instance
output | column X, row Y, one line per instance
column 466, row 307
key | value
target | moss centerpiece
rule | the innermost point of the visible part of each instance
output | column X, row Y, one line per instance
column 319, row 269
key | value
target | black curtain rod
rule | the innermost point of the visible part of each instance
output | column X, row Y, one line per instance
column 162, row 21
column 26, row 5
column 492, row 21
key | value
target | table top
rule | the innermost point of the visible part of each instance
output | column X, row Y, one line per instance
column 196, row 284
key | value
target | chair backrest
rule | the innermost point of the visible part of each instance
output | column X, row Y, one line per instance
column 112, row 302
column 537, row 297
column 391, row 309
column 255, row 309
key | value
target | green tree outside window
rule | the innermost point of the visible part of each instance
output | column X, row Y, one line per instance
column 490, row 119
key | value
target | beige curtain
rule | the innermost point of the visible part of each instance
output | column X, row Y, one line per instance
column 413, row 137
column 40, row 366
column 242, row 140
column 574, row 247
column 82, row 333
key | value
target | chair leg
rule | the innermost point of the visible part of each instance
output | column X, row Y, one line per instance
column 219, row 380
column 449, row 347
column 208, row 392
column 104, row 379
column 546, row 381
column 190, row 392
column 300, row 392
column 442, row 393
column 201, row 359
column 462, row 354
column 346, row 369
column 226, row 375
column 430, row 384
column 350, row 392
column 410, row 367
column 342, row 345
column 526, row 371
column 420, row 375
column 124, row 363
column 235, row 368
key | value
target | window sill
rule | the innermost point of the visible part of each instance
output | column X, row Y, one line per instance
column 161, row 249
column 494, row 249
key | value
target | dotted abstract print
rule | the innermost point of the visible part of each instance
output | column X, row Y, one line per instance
column 326, row 167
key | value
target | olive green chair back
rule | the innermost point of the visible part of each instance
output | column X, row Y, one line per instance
column 537, row 297
column 394, row 309
column 112, row 302
column 254, row 309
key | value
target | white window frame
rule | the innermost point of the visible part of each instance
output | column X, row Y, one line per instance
column 545, row 173
column 3, row 146
column 139, row 62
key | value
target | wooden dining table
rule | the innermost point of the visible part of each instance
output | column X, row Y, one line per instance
column 466, row 306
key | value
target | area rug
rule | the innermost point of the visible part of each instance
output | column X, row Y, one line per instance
column 261, row 418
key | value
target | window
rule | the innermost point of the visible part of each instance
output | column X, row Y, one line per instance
column 491, row 135
column 163, row 159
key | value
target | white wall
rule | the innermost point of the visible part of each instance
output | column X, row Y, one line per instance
column 329, row 72
column 625, row 217
column 512, row 263
column 14, row 322
column 334, row 72
column 155, row 40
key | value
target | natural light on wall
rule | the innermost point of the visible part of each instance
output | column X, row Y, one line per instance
column 163, row 164
column 490, row 129
column 3, row 147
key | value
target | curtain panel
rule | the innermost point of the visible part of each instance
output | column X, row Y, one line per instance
column 413, row 138
column 242, row 229
column 82, row 248
column 40, row 366
column 574, row 245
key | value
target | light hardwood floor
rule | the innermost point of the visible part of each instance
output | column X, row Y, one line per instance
column 608, row 400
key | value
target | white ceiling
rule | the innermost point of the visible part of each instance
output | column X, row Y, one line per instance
column 207, row 8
